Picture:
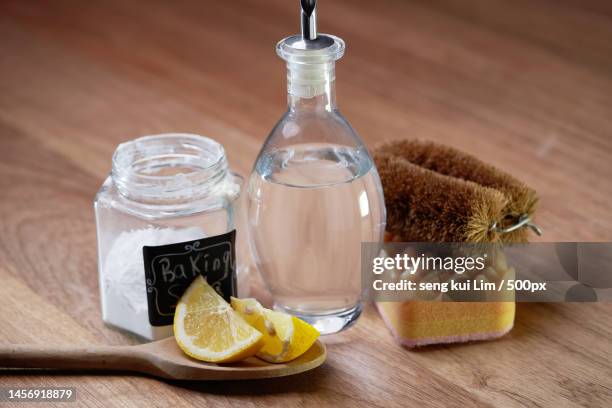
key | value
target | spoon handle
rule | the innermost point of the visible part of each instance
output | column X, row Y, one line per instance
column 70, row 358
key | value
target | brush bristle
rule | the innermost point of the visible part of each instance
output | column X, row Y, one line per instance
column 436, row 193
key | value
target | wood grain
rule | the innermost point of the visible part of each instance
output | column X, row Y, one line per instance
column 525, row 85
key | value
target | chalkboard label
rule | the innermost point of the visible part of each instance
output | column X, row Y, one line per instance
column 169, row 269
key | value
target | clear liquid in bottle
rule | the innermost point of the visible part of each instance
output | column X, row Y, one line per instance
column 311, row 206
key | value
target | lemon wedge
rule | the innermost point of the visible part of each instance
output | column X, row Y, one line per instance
column 285, row 337
column 208, row 329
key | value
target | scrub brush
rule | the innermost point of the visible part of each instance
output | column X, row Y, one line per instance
column 435, row 193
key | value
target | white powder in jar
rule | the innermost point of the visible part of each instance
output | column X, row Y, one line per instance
column 124, row 296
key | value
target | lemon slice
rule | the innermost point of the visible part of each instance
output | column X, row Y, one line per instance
column 208, row 329
column 285, row 337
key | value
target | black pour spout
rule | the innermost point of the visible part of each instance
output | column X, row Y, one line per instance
column 309, row 19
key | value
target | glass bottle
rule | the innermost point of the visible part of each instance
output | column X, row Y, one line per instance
column 314, row 195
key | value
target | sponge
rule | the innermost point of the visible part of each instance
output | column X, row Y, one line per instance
column 434, row 193
column 418, row 323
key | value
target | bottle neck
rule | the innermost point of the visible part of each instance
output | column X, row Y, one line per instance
column 311, row 87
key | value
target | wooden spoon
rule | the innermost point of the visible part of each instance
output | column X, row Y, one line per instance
column 160, row 358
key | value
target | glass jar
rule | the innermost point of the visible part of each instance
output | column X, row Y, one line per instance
column 314, row 195
column 163, row 190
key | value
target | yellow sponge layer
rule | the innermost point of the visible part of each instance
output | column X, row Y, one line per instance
column 420, row 323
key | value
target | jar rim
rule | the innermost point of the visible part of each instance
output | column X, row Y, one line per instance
column 129, row 146
column 168, row 167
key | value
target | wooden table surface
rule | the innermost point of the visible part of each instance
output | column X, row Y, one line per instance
column 525, row 85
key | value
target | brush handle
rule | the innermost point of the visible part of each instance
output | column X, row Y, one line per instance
column 74, row 358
